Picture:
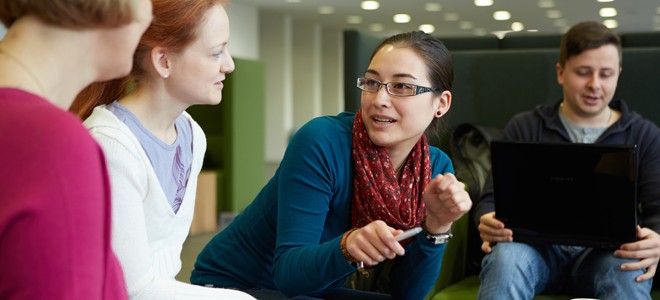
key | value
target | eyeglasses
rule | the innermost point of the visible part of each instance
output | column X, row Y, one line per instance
column 399, row 89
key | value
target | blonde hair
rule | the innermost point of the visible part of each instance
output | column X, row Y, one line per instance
column 74, row 14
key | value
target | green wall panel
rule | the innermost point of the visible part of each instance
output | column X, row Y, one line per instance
column 235, row 135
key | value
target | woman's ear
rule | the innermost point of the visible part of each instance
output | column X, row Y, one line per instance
column 443, row 103
column 160, row 59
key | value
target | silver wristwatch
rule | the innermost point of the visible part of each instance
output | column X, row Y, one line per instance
column 440, row 238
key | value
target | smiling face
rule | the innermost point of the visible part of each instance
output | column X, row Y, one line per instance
column 397, row 123
column 199, row 70
column 589, row 81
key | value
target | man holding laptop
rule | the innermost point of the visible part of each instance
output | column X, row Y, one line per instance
column 588, row 69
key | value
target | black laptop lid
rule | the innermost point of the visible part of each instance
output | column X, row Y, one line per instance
column 574, row 194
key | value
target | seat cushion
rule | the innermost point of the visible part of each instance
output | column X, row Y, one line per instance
column 464, row 289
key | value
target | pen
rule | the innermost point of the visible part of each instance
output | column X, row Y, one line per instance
column 406, row 234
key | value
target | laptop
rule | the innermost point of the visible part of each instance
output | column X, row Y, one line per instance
column 568, row 193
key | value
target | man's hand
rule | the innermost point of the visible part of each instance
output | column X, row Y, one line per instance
column 647, row 250
column 491, row 231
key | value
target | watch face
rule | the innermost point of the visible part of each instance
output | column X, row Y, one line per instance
column 439, row 239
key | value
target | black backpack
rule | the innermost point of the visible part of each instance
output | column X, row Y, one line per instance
column 470, row 153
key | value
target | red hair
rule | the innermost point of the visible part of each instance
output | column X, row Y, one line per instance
column 174, row 27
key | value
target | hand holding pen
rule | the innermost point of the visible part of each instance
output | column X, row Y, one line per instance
column 377, row 242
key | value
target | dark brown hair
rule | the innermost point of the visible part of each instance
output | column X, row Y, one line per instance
column 437, row 59
column 585, row 36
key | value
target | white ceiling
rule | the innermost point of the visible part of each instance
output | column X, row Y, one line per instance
column 633, row 15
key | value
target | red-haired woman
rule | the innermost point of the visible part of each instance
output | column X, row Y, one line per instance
column 154, row 148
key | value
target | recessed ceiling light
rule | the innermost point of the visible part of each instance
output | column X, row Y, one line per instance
column 428, row 28
column 465, row 25
column 369, row 5
column 293, row 1
column 611, row 23
column 517, row 26
column 432, row 6
column 326, row 10
column 451, row 17
column 479, row 32
column 605, row 0
column 377, row 27
column 501, row 15
column 401, row 18
column 353, row 19
column 560, row 23
column 483, row 2
column 607, row 12
column 546, row 3
column 500, row 33
column 553, row 14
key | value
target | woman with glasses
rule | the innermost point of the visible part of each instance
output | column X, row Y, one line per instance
column 347, row 186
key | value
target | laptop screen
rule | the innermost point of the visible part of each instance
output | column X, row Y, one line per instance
column 574, row 194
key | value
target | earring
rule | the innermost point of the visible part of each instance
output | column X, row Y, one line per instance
column 166, row 76
column 438, row 114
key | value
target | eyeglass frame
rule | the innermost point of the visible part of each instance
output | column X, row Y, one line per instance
column 418, row 88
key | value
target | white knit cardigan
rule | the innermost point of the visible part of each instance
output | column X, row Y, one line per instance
column 147, row 236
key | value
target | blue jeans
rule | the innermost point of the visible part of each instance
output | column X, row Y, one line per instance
column 521, row 271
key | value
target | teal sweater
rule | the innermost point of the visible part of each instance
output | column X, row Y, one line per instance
column 288, row 238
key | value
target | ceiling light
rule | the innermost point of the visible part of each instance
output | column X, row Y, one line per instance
column 501, row 33
column 353, row 19
column 501, row 15
column 401, row 18
column 605, row 0
column 553, row 14
column 517, row 26
column 465, row 25
column 483, row 2
column 326, row 10
column 428, row 28
column 546, row 3
column 611, row 23
column 450, row 17
column 377, row 27
column 479, row 32
column 432, row 6
column 607, row 12
column 560, row 23
column 369, row 5
column 293, row 1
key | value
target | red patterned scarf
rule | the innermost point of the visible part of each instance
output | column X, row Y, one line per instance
column 378, row 193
